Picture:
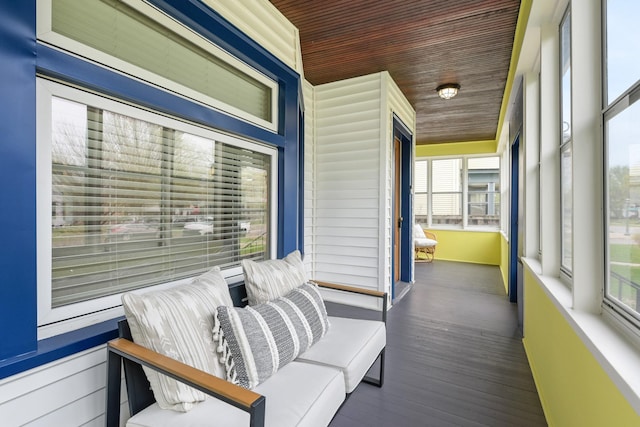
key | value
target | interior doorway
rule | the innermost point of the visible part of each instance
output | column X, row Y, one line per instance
column 516, row 229
column 397, row 207
column 402, row 251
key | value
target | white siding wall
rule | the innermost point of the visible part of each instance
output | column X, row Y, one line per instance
column 309, row 174
column 261, row 21
column 353, row 180
column 347, row 182
column 399, row 105
column 67, row 392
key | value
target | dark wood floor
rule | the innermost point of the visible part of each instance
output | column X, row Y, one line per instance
column 454, row 356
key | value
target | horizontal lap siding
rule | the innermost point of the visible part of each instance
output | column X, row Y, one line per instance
column 68, row 392
column 347, row 181
column 400, row 106
column 309, row 174
column 261, row 21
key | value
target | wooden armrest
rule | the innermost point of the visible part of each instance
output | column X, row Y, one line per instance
column 203, row 381
column 356, row 290
column 353, row 289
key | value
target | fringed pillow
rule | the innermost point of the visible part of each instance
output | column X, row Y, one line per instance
column 254, row 342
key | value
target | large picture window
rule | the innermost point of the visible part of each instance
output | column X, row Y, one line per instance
column 137, row 199
column 458, row 192
column 622, row 144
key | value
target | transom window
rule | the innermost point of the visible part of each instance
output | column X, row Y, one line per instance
column 139, row 40
column 136, row 199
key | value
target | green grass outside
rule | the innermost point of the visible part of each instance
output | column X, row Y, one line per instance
column 624, row 253
column 627, row 254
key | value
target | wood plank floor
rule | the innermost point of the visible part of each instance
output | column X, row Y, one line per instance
column 454, row 356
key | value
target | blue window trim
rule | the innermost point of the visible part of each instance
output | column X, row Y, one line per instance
column 17, row 178
column 70, row 69
column 22, row 57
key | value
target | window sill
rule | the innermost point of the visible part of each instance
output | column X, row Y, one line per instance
column 473, row 228
column 66, row 344
column 617, row 353
column 59, row 346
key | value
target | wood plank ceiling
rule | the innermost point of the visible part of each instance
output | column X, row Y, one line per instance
column 422, row 44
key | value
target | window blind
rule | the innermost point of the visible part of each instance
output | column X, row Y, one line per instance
column 136, row 203
column 114, row 28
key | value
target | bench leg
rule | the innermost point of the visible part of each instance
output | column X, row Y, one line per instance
column 380, row 380
column 114, row 375
column 256, row 413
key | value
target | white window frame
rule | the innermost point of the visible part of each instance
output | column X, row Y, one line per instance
column 564, row 147
column 47, row 35
column 53, row 321
column 620, row 315
column 461, row 192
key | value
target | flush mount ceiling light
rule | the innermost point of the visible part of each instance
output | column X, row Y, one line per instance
column 448, row 90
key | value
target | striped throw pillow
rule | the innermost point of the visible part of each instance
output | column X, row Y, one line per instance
column 177, row 322
column 271, row 279
column 254, row 342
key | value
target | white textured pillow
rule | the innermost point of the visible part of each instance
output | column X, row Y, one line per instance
column 178, row 323
column 256, row 341
column 271, row 279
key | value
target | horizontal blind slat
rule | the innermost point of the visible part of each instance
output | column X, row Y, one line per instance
column 138, row 204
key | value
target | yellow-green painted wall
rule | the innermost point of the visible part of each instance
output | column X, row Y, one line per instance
column 573, row 387
column 456, row 148
column 468, row 246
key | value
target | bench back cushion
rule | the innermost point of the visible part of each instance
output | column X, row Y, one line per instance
column 256, row 341
column 178, row 322
column 271, row 279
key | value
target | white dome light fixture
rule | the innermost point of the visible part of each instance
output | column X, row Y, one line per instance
column 448, row 90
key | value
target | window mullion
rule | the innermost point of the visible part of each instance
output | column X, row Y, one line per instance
column 465, row 193
column 429, row 193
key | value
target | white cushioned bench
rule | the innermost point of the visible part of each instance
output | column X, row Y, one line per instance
column 308, row 391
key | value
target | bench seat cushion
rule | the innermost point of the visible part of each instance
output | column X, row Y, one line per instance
column 299, row 394
column 351, row 345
